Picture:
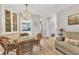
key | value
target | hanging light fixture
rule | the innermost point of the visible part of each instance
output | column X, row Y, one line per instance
column 26, row 13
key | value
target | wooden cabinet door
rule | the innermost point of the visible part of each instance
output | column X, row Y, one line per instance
column 14, row 21
column 7, row 21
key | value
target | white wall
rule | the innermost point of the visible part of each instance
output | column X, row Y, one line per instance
column 0, row 21
column 62, row 19
column 35, row 24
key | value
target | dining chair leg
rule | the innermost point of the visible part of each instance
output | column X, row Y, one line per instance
column 40, row 46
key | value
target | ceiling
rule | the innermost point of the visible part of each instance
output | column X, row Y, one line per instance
column 44, row 10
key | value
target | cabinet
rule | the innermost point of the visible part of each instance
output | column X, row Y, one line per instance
column 14, row 21
column 10, row 21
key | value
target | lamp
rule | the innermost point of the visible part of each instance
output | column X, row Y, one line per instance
column 26, row 13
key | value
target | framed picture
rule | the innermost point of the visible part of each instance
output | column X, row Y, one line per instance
column 26, row 27
column 73, row 19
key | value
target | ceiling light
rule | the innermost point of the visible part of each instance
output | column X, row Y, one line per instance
column 26, row 13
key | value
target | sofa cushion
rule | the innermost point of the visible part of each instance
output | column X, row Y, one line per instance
column 74, row 42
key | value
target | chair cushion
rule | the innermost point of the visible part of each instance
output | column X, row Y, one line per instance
column 6, row 40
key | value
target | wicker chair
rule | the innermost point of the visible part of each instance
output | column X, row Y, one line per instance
column 4, row 41
column 24, row 34
column 25, row 47
column 37, row 39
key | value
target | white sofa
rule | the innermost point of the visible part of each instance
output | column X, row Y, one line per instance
column 66, row 47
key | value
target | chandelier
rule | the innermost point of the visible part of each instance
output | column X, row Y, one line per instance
column 26, row 13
